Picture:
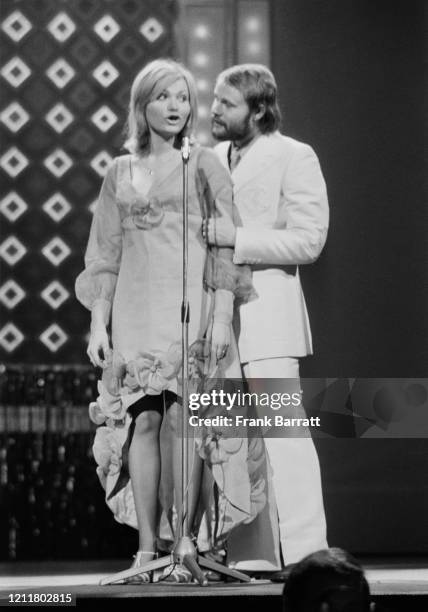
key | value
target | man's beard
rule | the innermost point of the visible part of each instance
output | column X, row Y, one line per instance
column 236, row 132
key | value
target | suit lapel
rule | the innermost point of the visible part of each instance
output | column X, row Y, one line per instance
column 256, row 161
column 221, row 149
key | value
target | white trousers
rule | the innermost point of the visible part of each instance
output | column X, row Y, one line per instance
column 296, row 476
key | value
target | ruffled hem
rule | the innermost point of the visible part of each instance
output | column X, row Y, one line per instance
column 123, row 382
column 239, row 495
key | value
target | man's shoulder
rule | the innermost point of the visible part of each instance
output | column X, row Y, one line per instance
column 274, row 144
column 288, row 144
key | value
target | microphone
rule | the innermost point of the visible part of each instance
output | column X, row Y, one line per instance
column 185, row 149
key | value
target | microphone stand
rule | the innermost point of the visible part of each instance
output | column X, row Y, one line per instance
column 184, row 552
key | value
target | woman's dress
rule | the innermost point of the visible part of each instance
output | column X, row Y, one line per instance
column 133, row 264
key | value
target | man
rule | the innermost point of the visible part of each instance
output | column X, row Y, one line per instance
column 281, row 198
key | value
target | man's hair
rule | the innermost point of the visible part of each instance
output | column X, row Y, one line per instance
column 329, row 576
column 257, row 85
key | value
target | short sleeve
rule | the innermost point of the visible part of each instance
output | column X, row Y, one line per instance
column 103, row 254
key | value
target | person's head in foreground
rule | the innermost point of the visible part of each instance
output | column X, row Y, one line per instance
column 329, row 580
column 245, row 104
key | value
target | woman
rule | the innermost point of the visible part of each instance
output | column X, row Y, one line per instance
column 133, row 275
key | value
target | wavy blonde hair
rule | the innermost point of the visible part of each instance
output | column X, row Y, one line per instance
column 148, row 83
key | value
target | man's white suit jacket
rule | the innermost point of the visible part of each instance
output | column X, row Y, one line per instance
column 281, row 198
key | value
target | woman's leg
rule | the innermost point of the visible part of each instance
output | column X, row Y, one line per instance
column 194, row 466
column 144, row 469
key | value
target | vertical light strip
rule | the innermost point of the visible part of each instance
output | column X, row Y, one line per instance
column 215, row 34
column 203, row 25
column 253, row 32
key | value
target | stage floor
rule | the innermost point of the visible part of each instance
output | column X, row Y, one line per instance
column 387, row 577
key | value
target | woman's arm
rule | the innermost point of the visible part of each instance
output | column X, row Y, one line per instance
column 95, row 286
column 223, row 280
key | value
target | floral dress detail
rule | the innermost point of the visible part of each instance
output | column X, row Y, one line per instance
column 133, row 264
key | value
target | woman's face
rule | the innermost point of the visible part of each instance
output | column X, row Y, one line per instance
column 168, row 113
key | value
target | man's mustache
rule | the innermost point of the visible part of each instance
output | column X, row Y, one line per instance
column 218, row 122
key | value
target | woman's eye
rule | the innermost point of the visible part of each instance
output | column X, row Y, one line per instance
column 162, row 96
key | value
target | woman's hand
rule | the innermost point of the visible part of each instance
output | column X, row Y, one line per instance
column 98, row 341
column 220, row 341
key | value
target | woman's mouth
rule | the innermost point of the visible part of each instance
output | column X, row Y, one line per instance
column 173, row 119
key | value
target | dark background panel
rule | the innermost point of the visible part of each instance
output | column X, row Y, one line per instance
column 351, row 81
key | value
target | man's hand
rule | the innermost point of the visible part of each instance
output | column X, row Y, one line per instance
column 98, row 341
column 219, row 231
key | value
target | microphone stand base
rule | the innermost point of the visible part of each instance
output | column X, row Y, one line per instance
column 184, row 554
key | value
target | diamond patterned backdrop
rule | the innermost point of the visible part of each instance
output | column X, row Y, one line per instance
column 65, row 72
